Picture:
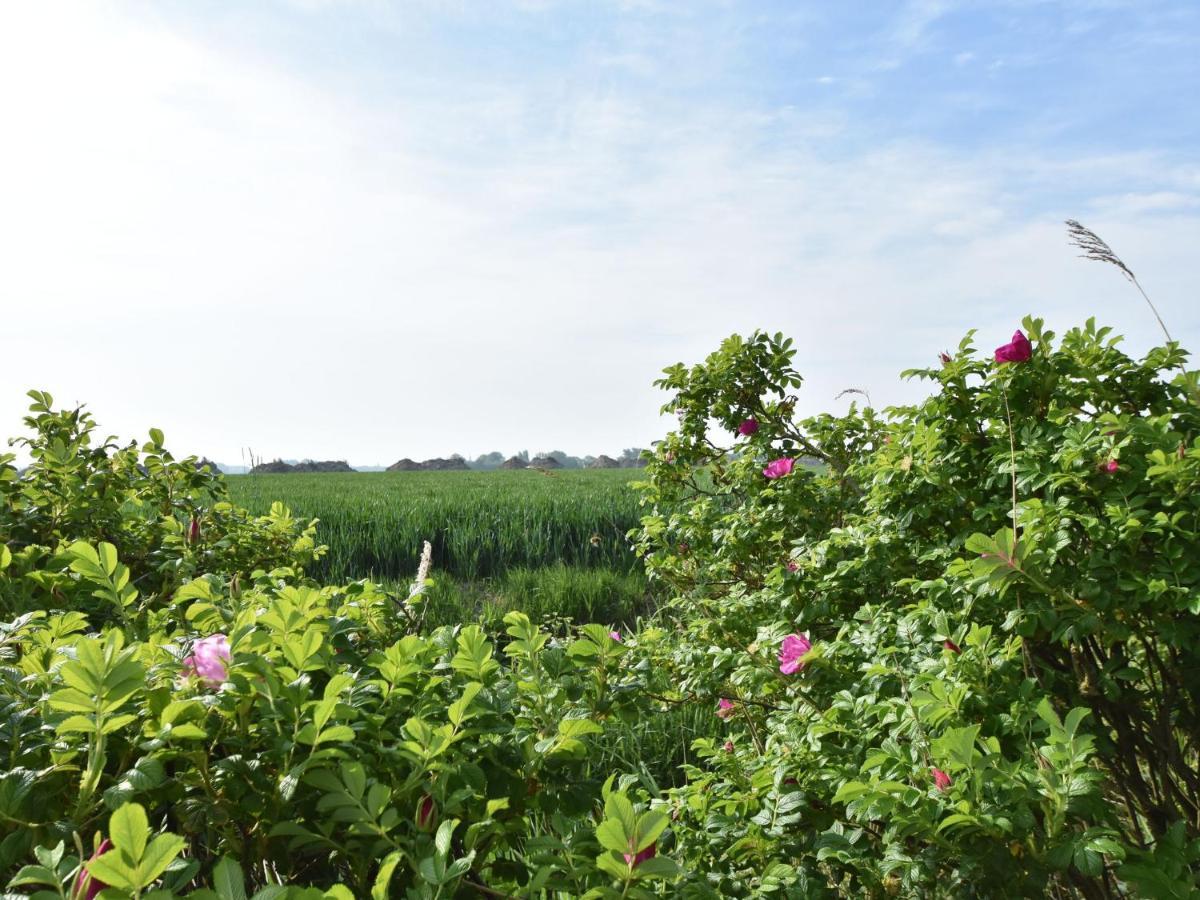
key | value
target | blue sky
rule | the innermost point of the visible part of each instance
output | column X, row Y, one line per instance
column 373, row 230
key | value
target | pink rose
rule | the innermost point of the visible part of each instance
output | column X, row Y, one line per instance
column 1017, row 350
column 728, row 747
column 208, row 660
column 1111, row 466
column 795, row 648
column 724, row 708
column 748, row 427
column 615, row 635
column 779, row 467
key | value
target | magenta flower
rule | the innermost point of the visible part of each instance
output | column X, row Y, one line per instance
column 208, row 660
column 633, row 859
column 1111, row 466
column 791, row 654
column 942, row 780
column 86, row 885
column 724, row 708
column 615, row 635
column 748, row 427
column 793, row 566
column 779, row 467
column 951, row 646
column 1017, row 350
column 944, row 357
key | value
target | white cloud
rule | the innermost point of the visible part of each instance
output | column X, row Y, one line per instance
column 206, row 242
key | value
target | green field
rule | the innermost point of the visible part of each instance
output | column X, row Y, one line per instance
column 552, row 545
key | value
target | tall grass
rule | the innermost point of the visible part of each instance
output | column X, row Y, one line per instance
column 544, row 594
column 481, row 524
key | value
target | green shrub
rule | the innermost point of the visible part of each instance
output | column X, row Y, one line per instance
column 265, row 729
column 981, row 712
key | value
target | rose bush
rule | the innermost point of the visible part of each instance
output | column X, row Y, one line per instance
column 187, row 703
column 1000, row 693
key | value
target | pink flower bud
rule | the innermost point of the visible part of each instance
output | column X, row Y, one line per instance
column 951, row 646
column 86, row 886
column 426, row 815
column 728, row 746
column 615, row 635
column 944, row 357
column 1111, row 466
column 193, row 535
column 942, row 780
column 633, row 859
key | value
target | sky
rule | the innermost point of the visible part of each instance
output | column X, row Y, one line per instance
column 367, row 230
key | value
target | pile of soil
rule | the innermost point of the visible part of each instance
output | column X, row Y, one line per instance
column 279, row 467
column 604, row 462
column 513, row 462
column 453, row 464
column 405, row 465
column 329, row 465
column 544, row 462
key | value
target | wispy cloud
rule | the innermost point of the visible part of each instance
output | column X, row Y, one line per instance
column 243, row 248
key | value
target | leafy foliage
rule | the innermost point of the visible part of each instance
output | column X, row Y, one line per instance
column 1000, row 584
column 989, row 602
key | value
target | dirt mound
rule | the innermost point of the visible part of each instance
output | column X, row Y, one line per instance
column 279, row 467
column 544, row 462
column 275, row 467
column 513, row 462
column 453, row 464
column 604, row 462
column 329, row 465
column 405, row 465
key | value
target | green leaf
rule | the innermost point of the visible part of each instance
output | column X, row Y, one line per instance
column 34, row 875
column 458, row 709
column 228, row 881
column 162, row 850
column 381, row 889
column 612, row 836
column 128, row 828
column 649, row 826
column 113, row 869
column 444, row 833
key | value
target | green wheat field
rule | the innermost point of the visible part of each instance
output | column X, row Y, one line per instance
column 553, row 545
